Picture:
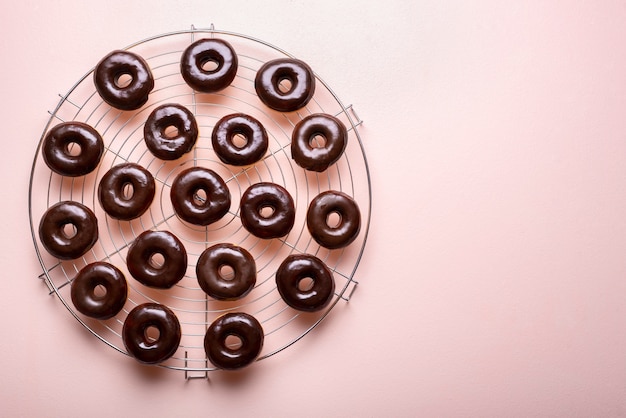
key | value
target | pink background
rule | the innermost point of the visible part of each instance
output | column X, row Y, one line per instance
column 494, row 278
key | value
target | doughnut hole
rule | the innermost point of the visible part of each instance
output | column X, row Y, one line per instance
column 171, row 132
column 200, row 197
column 317, row 141
column 73, row 148
column 240, row 140
column 123, row 80
column 233, row 342
column 226, row 272
column 209, row 62
column 266, row 212
column 69, row 230
column 210, row 65
column 171, row 127
column 285, row 85
column 157, row 261
column 99, row 292
column 333, row 220
column 128, row 191
column 305, row 284
column 151, row 333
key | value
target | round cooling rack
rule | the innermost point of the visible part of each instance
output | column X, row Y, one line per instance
column 122, row 132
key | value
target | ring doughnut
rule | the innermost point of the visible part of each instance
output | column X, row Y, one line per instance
column 204, row 51
column 57, row 241
column 192, row 208
column 146, row 270
column 107, row 75
column 264, row 195
column 304, row 150
column 111, row 191
column 136, row 335
column 246, row 126
column 99, row 306
column 317, row 218
column 214, row 283
column 159, row 142
column 58, row 142
column 267, row 84
column 296, row 268
column 240, row 325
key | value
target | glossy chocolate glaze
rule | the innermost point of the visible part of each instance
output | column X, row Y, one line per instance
column 53, row 237
column 56, row 149
column 239, row 124
column 109, row 70
column 318, row 158
column 139, row 345
column 297, row 267
column 147, row 245
column 298, row 73
column 163, row 146
column 262, row 195
column 238, row 324
column 218, row 287
column 200, row 211
column 349, row 225
column 111, row 191
column 217, row 51
column 84, row 296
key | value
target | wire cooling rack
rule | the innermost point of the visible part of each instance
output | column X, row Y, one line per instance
column 122, row 132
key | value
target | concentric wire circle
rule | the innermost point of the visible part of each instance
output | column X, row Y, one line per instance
column 122, row 132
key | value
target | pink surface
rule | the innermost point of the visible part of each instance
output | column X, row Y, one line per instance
column 493, row 278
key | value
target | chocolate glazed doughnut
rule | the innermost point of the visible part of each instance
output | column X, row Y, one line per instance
column 62, row 244
column 251, row 129
column 99, row 306
column 172, row 147
column 240, row 325
column 306, row 153
column 107, row 75
column 205, row 51
column 335, row 236
column 267, row 195
column 58, row 141
column 296, row 72
column 187, row 204
column 296, row 268
column 111, row 191
column 144, row 269
column 135, row 333
column 214, row 283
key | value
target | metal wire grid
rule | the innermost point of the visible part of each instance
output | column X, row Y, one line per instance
column 122, row 133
